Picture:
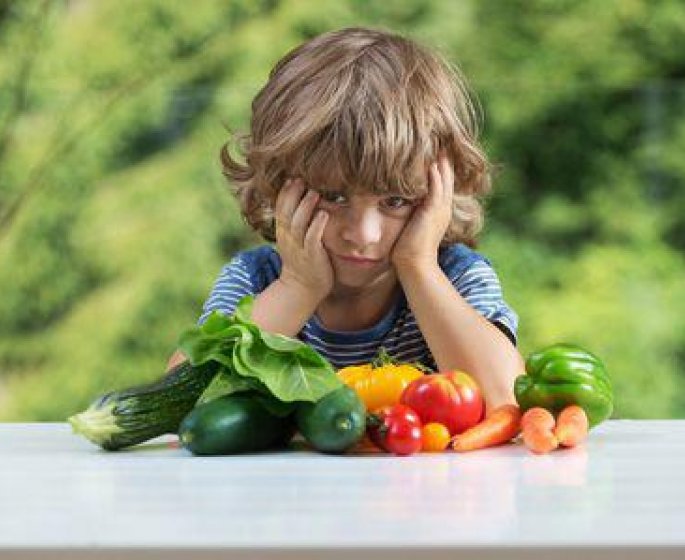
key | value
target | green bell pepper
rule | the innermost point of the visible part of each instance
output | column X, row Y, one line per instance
column 564, row 374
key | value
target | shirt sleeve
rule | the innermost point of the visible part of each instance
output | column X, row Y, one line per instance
column 480, row 287
column 234, row 282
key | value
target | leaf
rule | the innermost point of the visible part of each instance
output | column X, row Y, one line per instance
column 217, row 344
column 243, row 311
column 275, row 341
column 227, row 382
column 301, row 375
column 240, row 365
column 217, row 322
column 281, row 343
column 275, row 365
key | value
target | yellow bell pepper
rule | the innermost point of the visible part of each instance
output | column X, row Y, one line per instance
column 381, row 382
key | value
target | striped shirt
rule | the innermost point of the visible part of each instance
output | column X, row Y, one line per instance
column 253, row 270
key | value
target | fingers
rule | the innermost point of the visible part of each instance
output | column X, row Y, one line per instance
column 288, row 199
column 314, row 235
column 447, row 173
column 294, row 211
column 299, row 238
column 441, row 181
column 302, row 217
column 436, row 188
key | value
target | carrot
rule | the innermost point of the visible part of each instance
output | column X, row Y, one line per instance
column 501, row 426
column 572, row 426
column 537, row 425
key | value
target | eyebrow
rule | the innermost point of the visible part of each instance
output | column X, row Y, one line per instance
column 344, row 189
column 409, row 197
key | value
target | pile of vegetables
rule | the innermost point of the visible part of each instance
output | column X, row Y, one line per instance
column 565, row 374
column 244, row 390
column 566, row 381
column 381, row 382
column 241, row 390
column 563, row 394
column 410, row 411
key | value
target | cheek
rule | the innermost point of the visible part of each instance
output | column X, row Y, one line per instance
column 394, row 230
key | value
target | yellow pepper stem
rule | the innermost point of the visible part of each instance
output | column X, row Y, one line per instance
column 384, row 359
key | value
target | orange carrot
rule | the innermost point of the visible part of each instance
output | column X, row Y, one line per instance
column 500, row 427
column 538, row 417
column 572, row 426
column 537, row 425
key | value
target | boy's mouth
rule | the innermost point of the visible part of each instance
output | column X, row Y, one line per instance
column 358, row 260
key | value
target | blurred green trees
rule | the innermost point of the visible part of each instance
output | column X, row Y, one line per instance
column 115, row 219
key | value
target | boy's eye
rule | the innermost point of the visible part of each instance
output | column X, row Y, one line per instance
column 391, row 202
column 334, row 197
column 395, row 202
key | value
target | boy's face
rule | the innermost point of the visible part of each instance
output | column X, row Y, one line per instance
column 364, row 226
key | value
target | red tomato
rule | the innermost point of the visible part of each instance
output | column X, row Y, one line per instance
column 452, row 398
column 396, row 429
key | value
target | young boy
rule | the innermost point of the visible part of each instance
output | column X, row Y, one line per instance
column 363, row 167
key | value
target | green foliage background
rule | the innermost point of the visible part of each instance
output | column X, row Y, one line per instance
column 115, row 219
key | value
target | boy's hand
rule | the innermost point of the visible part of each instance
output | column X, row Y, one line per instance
column 418, row 243
column 305, row 260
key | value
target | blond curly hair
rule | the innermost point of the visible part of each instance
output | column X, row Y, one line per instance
column 360, row 110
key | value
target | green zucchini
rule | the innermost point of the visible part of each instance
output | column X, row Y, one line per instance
column 334, row 423
column 236, row 423
column 122, row 418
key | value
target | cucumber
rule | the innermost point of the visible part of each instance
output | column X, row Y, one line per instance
column 122, row 418
column 334, row 423
column 236, row 423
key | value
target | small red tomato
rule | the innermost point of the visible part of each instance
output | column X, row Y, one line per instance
column 395, row 429
column 452, row 399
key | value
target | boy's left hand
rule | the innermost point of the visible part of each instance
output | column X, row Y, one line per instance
column 418, row 243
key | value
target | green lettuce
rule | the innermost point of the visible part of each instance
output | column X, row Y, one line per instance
column 280, row 369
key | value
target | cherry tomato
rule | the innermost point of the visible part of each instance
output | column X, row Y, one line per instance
column 435, row 437
column 395, row 429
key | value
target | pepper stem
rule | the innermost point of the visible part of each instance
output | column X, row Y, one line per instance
column 382, row 358
column 385, row 359
column 421, row 367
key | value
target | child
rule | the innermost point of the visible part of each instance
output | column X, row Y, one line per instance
column 362, row 166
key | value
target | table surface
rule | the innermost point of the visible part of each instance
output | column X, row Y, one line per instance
column 624, row 487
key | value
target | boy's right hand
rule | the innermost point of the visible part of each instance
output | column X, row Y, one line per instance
column 305, row 260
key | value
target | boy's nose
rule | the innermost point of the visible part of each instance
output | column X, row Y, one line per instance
column 363, row 228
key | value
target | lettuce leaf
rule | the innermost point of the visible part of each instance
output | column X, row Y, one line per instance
column 227, row 382
column 282, row 369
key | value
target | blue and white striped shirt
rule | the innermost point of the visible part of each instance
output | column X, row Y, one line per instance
column 253, row 270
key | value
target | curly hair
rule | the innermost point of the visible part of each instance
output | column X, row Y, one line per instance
column 360, row 109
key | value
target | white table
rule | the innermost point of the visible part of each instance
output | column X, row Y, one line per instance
column 621, row 495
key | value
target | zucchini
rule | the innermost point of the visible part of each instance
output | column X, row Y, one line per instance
column 236, row 423
column 134, row 415
column 334, row 423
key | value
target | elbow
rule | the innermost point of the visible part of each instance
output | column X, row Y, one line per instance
column 177, row 358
